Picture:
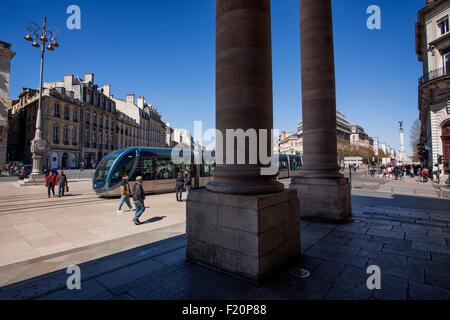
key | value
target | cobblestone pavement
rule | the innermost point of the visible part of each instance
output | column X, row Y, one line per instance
column 407, row 237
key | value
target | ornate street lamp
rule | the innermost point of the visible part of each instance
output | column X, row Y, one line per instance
column 39, row 37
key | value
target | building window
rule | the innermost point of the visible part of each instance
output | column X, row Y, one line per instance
column 74, row 137
column 94, row 138
column 66, row 113
column 87, row 137
column 446, row 58
column 443, row 26
column 75, row 115
column 56, row 134
column 56, row 113
column 94, row 119
column 88, row 117
column 66, row 135
column 101, row 121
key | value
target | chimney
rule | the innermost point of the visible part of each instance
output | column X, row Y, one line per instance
column 141, row 102
column 107, row 90
column 68, row 81
column 131, row 98
column 89, row 77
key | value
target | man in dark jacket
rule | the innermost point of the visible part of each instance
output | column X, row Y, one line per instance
column 138, row 198
column 61, row 181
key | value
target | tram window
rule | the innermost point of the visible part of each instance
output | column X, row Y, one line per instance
column 124, row 167
column 283, row 165
column 148, row 169
column 165, row 169
column 205, row 170
column 295, row 164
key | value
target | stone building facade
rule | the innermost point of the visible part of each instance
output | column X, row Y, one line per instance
column 151, row 130
column 82, row 123
column 433, row 50
column 127, row 131
column 97, row 116
column 79, row 123
column 61, row 126
column 6, row 55
column 359, row 138
column 290, row 143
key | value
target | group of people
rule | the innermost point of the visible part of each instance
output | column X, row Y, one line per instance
column 137, row 192
column 401, row 172
column 59, row 180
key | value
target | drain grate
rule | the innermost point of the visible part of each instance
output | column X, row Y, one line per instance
column 300, row 273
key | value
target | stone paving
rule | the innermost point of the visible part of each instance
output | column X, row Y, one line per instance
column 407, row 237
column 33, row 226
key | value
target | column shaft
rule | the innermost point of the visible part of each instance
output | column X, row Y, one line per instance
column 324, row 193
column 243, row 92
column 318, row 89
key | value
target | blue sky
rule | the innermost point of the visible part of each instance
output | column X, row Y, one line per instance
column 164, row 50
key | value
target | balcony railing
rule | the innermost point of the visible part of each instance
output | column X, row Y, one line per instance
column 435, row 74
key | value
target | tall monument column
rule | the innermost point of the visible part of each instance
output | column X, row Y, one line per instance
column 244, row 223
column 402, row 143
column 324, row 193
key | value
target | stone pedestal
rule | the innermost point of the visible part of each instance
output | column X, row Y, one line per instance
column 33, row 180
column 324, row 199
column 250, row 236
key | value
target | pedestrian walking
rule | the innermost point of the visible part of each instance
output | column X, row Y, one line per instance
column 425, row 175
column 125, row 193
column 50, row 182
column 138, row 198
column 179, row 185
column 62, row 183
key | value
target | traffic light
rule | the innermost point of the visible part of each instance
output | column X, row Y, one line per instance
column 440, row 159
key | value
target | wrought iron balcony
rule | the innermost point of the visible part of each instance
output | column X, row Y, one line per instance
column 441, row 72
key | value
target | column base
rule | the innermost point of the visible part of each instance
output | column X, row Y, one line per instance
column 249, row 236
column 325, row 199
column 33, row 180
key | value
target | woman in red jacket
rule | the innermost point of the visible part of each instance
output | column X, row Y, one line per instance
column 50, row 182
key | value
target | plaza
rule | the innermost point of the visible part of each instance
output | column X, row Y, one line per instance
column 320, row 226
column 404, row 228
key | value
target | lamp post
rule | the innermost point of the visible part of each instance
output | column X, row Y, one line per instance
column 40, row 34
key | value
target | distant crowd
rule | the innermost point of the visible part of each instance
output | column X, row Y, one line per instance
column 400, row 172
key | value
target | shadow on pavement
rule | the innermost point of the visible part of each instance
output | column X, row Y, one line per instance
column 154, row 219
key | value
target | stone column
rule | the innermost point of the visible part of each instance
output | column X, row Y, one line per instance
column 243, row 91
column 324, row 193
column 243, row 223
column 6, row 55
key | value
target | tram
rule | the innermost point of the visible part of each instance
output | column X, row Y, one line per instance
column 159, row 172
